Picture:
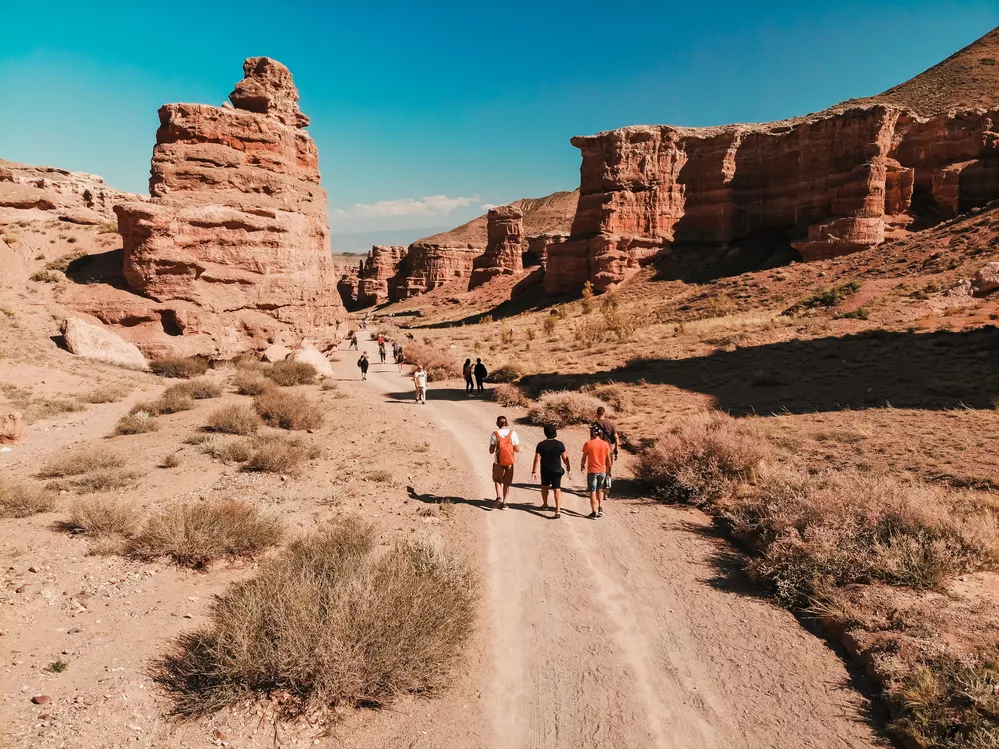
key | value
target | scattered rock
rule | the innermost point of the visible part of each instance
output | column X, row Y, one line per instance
column 11, row 426
column 96, row 342
column 41, row 699
column 986, row 279
column 309, row 354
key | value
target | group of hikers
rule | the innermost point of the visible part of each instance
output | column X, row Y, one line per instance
column 550, row 455
column 363, row 362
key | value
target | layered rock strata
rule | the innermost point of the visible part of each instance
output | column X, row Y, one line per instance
column 827, row 185
column 505, row 245
column 379, row 275
column 234, row 243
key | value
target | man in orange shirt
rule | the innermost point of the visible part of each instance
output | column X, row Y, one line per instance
column 596, row 465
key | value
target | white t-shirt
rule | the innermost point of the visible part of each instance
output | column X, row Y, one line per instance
column 514, row 439
column 420, row 378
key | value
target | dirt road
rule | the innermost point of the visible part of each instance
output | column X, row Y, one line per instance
column 627, row 631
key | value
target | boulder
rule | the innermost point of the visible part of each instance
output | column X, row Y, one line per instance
column 11, row 426
column 307, row 353
column 96, row 342
column 986, row 279
column 276, row 353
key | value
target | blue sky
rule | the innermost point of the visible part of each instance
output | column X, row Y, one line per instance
column 467, row 103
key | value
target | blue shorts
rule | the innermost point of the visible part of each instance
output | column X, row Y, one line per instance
column 595, row 481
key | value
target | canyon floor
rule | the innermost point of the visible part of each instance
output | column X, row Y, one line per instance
column 637, row 629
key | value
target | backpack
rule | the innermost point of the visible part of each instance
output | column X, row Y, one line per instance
column 504, row 448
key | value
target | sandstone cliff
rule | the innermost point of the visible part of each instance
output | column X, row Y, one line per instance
column 505, row 245
column 234, row 243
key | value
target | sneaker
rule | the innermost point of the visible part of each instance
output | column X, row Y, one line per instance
column 600, row 512
column 593, row 516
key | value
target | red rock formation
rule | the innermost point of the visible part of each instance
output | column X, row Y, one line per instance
column 505, row 245
column 42, row 193
column 235, row 243
column 379, row 275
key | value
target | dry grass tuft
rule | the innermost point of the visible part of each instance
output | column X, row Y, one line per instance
column 701, row 459
column 201, row 388
column 251, row 382
column 509, row 395
column 107, row 393
column 100, row 516
column 196, row 534
column 19, row 499
column 506, row 373
column 287, row 373
column 171, row 461
column 808, row 532
column 280, row 454
column 392, row 623
column 80, row 461
column 290, row 410
column 379, row 477
column 563, row 408
column 236, row 418
column 105, row 480
column 172, row 401
column 139, row 422
column 228, row 450
column 182, row 368
column 440, row 365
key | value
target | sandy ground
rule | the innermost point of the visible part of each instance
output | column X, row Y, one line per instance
column 628, row 631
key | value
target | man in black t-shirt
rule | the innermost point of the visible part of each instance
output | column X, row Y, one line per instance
column 550, row 455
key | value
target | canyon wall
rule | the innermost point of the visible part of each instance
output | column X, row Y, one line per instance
column 505, row 245
column 826, row 185
column 234, row 243
column 378, row 275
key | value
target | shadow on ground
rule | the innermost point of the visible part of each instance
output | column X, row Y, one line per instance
column 940, row 370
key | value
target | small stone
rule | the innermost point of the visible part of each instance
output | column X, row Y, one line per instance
column 41, row 699
column 33, row 569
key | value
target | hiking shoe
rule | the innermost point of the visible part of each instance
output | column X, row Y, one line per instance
column 600, row 512
column 593, row 516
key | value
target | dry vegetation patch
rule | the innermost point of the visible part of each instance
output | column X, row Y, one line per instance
column 201, row 388
column 107, row 393
column 394, row 621
column 80, row 461
column 228, row 450
column 172, row 401
column 196, row 534
column 139, row 422
column 280, row 454
column 102, row 516
column 440, row 365
column 251, row 382
column 234, row 419
column 290, row 410
column 287, row 373
column 182, row 368
column 562, row 408
column 19, row 499
column 509, row 395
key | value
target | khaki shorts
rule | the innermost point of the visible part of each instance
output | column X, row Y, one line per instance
column 502, row 474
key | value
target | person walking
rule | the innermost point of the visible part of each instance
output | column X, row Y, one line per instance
column 480, row 373
column 420, row 383
column 504, row 444
column 466, row 372
column 595, row 465
column 608, row 433
column 362, row 364
column 381, row 351
column 353, row 341
column 550, row 455
column 399, row 358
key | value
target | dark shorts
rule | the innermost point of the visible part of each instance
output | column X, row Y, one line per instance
column 595, row 481
column 551, row 480
column 502, row 474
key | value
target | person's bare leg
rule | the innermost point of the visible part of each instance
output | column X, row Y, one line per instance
column 600, row 501
column 544, row 497
column 496, row 489
column 506, row 492
column 558, row 501
column 593, row 502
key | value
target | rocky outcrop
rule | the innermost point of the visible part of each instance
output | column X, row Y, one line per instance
column 826, row 185
column 505, row 245
column 234, row 243
column 101, row 344
column 11, row 426
column 379, row 275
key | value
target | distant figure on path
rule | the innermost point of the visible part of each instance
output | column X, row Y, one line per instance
column 480, row 375
column 362, row 364
column 353, row 341
column 420, row 382
column 466, row 372
column 381, row 351
column 550, row 454
column 608, row 433
column 399, row 358
column 596, row 464
column 504, row 444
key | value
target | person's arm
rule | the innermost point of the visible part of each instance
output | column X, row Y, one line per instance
column 516, row 443
column 582, row 463
column 537, row 462
column 567, row 462
column 492, row 443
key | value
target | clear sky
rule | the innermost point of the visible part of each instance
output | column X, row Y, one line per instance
column 423, row 112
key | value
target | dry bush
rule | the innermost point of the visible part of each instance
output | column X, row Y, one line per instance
column 227, row 450
column 196, row 534
column 613, row 394
column 101, row 516
column 563, row 408
column 393, row 622
column 506, row 373
column 107, row 393
column 589, row 331
column 287, row 373
column 509, row 395
column 80, row 461
column 182, row 368
column 171, row 461
column 251, row 382
column 289, row 410
column 440, row 365
column 105, row 480
column 139, row 422
column 236, row 418
column 379, row 477
column 812, row 531
column 19, row 499
column 201, row 388
column 549, row 323
column 172, row 401
column 248, row 363
column 701, row 459
column 280, row 454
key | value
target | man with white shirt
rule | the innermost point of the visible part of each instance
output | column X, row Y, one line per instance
column 504, row 444
column 420, row 382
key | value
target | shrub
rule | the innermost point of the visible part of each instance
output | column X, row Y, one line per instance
column 249, row 362
column 99, row 516
column 80, row 461
column 506, row 373
column 234, row 419
column 289, row 410
column 391, row 623
column 509, row 395
column 440, row 365
column 701, row 459
column 139, row 422
column 179, row 367
column 829, row 297
column 47, row 276
column 507, row 335
column 549, row 324
column 613, row 394
column 172, row 401
column 280, row 454
column 106, row 394
column 62, row 264
column 105, row 480
column 196, row 534
column 250, row 382
column 563, row 408
column 808, row 532
column 19, row 500
column 861, row 313
column 287, row 373
column 587, row 301
column 590, row 331
column 108, row 227
column 379, row 477
column 227, row 450
column 171, row 461
column 201, row 388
